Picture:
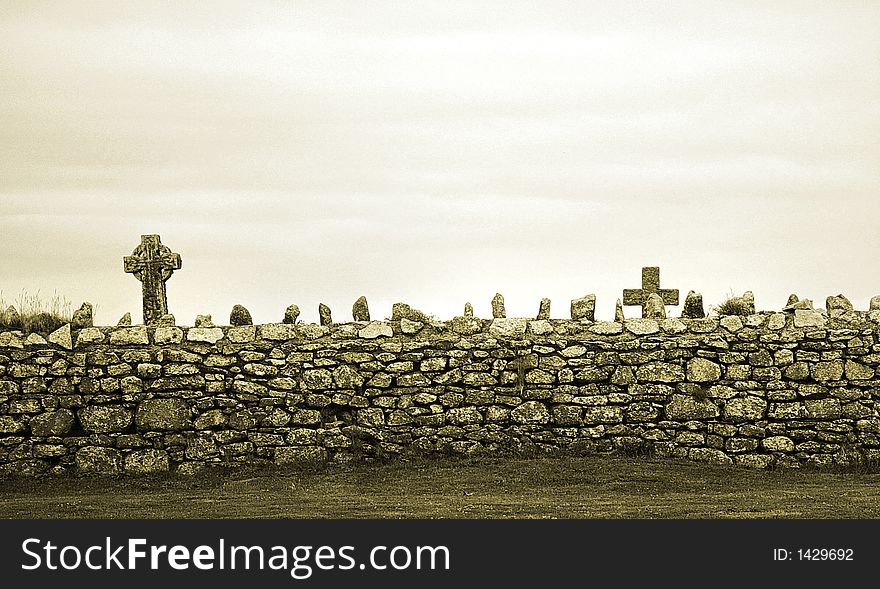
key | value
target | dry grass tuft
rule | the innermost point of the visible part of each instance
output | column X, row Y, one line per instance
column 31, row 314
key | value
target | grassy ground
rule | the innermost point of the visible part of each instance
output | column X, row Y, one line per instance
column 591, row 487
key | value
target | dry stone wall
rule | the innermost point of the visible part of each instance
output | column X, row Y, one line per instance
column 769, row 389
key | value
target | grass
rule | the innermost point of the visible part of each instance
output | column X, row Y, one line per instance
column 564, row 487
column 34, row 315
column 734, row 305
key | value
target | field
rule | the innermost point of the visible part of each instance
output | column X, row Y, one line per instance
column 570, row 487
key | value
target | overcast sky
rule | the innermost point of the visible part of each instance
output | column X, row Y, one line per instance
column 437, row 152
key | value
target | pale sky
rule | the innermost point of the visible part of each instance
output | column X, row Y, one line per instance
column 434, row 153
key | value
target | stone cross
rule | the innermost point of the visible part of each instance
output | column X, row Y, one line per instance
column 650, row 285
column 153, row 263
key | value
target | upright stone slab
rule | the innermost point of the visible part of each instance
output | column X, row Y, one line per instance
column 654, row 307
column 544, row 309
column 153, row 264
column 838, row 305
column 650, row 285
column 749, row 302
column 124, row 321
column 82, row 317
column 324, row 314
column 693, row 306
column 204, row 321
column 618, row 312
column 469, row 309
column 584, row 308
column 291, row 314
column 360, row 311
column 240, row 316
column 498, row 311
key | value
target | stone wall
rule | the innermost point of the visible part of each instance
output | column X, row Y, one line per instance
column 770, row 389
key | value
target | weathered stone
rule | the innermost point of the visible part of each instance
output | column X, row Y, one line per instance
column 360, row 311
column 606, row 328
column 693, row 306
column 466, row 325
column 823, row 408
column 540, row 327
column 856, row 371
column 468, row 310
column 792, row 299
column 52, row 423
column 291, row 314
column 102, row 419
column 776, row 321
column 124, row 321
column 464, row 416
column 410, row 327
column 62, row 337
column 809, row 318
column 240, row 316
column 874, row 305
column 12, row 317
column 530, row 412
column 210, row 419
column 498, row 311
column 642, row 326
column 347, row 377
column 686, row 408
column 146, row 461
column 508, row 327
column 163, row 414
column 82, row 317
column 778, row 444
column 34, row 339
column 748, row 408
column 749, row 301
column 11, row 425
column 98, row 460
column 672, row 325
column 827, row 371
column 618, row 312
column 703, row 370
column 709, row 455
column 277, row 331
column 209, row 335
column 168, row 320
column 203, row 321
column 90, row 335
column 801, row 305
column 837, row 305
column 654, row 307
column 324, row 315
column 376, row 329
column 130, row 336
column 317, row 379
column 167, row 335
column 660, row 372
column 544, row 309
column 584, row 308
column 731, row 323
